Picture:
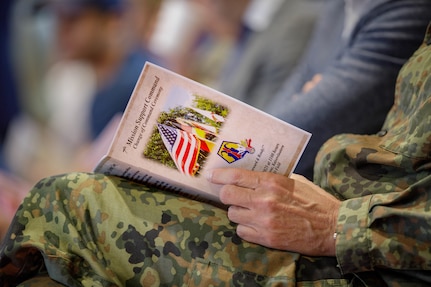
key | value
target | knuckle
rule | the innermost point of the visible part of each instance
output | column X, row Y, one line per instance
column 231, row 214
column 236, row 177
column 273, row 181
column 240, row 232
column 270, row 203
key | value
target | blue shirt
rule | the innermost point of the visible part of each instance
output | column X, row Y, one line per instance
column 112, row 99
column 359, row 71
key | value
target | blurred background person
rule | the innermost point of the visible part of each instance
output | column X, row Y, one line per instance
column 98, row 58
column 209, row 38
column 10, row 187
column 77, row 62
column 9, row 107
column 225, row 43
column 345, row 80
column 281, row 31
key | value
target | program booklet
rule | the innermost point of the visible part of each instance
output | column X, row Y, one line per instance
column 174, row 129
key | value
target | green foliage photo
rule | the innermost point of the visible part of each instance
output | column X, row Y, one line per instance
column 155, row 148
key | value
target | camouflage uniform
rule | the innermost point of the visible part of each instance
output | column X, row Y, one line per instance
column 92, row 230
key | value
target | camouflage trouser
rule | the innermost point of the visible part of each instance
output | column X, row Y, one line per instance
column 92, row 230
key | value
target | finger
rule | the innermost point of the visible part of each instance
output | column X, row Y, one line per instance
column 249, row 233
column 236, row 195
column 234, row 176
column 298, row 177
column 317, row 78
column 308, row 86
column 239, row 215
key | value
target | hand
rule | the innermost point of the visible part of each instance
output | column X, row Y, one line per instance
column 308, row 86
column 279, row 212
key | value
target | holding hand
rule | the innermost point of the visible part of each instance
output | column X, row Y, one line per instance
column 279, row 212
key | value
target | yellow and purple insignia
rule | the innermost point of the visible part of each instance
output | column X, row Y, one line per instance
column 232, row 151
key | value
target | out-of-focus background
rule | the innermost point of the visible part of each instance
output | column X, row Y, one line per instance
column 68, row 68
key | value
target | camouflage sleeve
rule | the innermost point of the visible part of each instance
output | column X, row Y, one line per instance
column 386, row 231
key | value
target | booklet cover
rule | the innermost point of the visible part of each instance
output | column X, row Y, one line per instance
column 174, row 129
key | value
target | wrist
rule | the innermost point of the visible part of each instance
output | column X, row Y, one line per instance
column 332, row 237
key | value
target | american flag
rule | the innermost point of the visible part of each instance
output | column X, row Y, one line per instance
column 205, row 144
column 207, row 128
column 182, row 146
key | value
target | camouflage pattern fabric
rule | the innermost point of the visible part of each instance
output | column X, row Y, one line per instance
column 91, row 230
column 384, row 180
column 95, row 230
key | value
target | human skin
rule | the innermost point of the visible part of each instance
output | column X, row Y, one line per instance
column 308, row 86
column 288, row 213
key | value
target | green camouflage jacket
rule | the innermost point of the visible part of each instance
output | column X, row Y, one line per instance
column 384, row 180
